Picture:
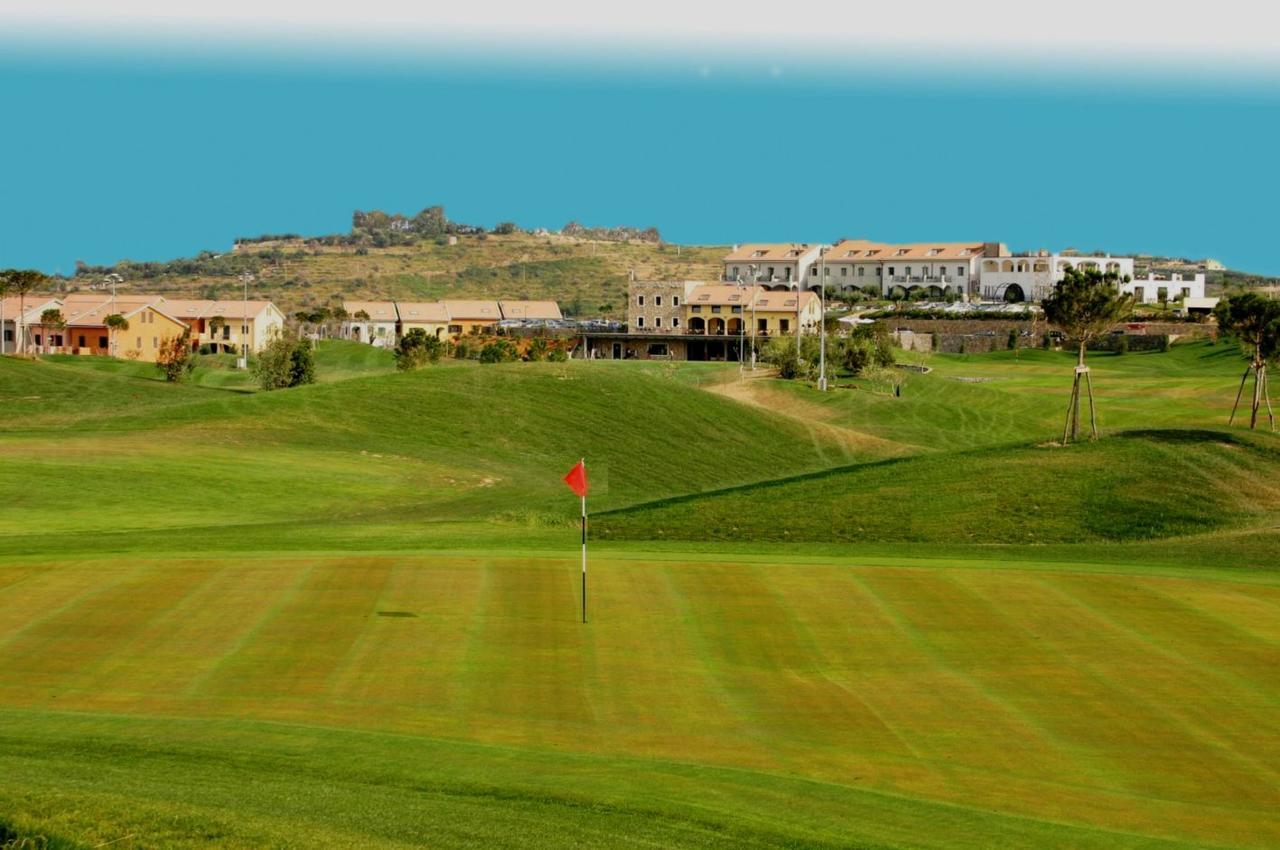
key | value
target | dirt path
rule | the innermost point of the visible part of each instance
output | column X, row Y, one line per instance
column 855, row 445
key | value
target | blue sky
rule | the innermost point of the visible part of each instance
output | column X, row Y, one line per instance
column 150, row 153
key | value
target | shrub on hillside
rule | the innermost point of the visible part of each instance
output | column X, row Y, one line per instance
column 499, row 351
column 417, row 348
column 284, row 362
column 782, row 354
column 174, row 358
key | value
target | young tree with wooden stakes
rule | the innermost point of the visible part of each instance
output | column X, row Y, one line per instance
column 1254, row 320
column 51, row 320
column 1084, row 306
column 115, row 324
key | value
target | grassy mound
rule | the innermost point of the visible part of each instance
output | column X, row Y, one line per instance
column 1135, row 486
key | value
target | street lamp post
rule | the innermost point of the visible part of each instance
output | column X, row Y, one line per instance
column 113, row 279
column 822, row 321
column 245, row 278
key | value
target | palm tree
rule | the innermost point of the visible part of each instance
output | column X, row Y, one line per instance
column 51, row 320
column 1255, row 321
column 1084, row 305
column 115, row 324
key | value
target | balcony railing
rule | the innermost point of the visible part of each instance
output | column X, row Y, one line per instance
column 918, row 280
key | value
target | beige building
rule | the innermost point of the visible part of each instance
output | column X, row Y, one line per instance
column 374, row 322
column 16, row 317
column 228, row 325
column 472, row 317
column 780, row 313
column 778, row 266
column 429, row 316
column 945, row 268
column 150, row 324
column 658, row 306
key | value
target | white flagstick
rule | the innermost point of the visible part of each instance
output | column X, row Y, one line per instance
column 584, row 547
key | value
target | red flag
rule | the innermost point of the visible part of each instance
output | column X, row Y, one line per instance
column 577, row 478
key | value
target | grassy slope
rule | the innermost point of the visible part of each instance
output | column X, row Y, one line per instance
column 382, row 447
column 1073, row 695
column 499, row 266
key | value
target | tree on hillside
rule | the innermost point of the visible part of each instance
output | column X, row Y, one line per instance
column 417, row 348
column 1084, row 306
column 1254, row 320
column 115, row 324
column 51, row 320
column 174, row 359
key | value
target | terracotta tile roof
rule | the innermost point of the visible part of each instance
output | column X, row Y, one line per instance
column 422, row 311
column 855, row 250
column 32, row 303
column 770, row 302
column 722, row 294
column 473, row 311
column 229, row 308
column 530, row 310
column 379, row 311
column 783, row 252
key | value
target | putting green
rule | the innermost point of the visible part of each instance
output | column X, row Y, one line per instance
column 1051, row 706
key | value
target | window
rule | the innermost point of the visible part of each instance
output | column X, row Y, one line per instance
column 892, row 271
column 455, row 329
column 696, row 308
column 784, row 325
column 770, row 272
column 675, row 300
column 736, row 308
column 639, row 300
column 38, row 340
column 657, row 300
column 959, row 271
column 675, row 322
column 735, row 271
column 226, row 331
column 155, row 342
column 1186, row 292
column 57, row 340
column 139, row 345
column 657, row 321
column 762, row 325
column 860, row 271
column 80, row 341
column 657, row 349
column 879, row 271
column 639, row 321
column 715, row 308
column 844, row 271
column 826, row 271
column 102, row 342
column 8, row 336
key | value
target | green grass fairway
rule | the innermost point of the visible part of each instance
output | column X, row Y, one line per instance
column 346, row 615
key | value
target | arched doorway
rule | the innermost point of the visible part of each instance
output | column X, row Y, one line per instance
column 715, row 327
column 1013, row 294
column 697, row 325
column 735, row 326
